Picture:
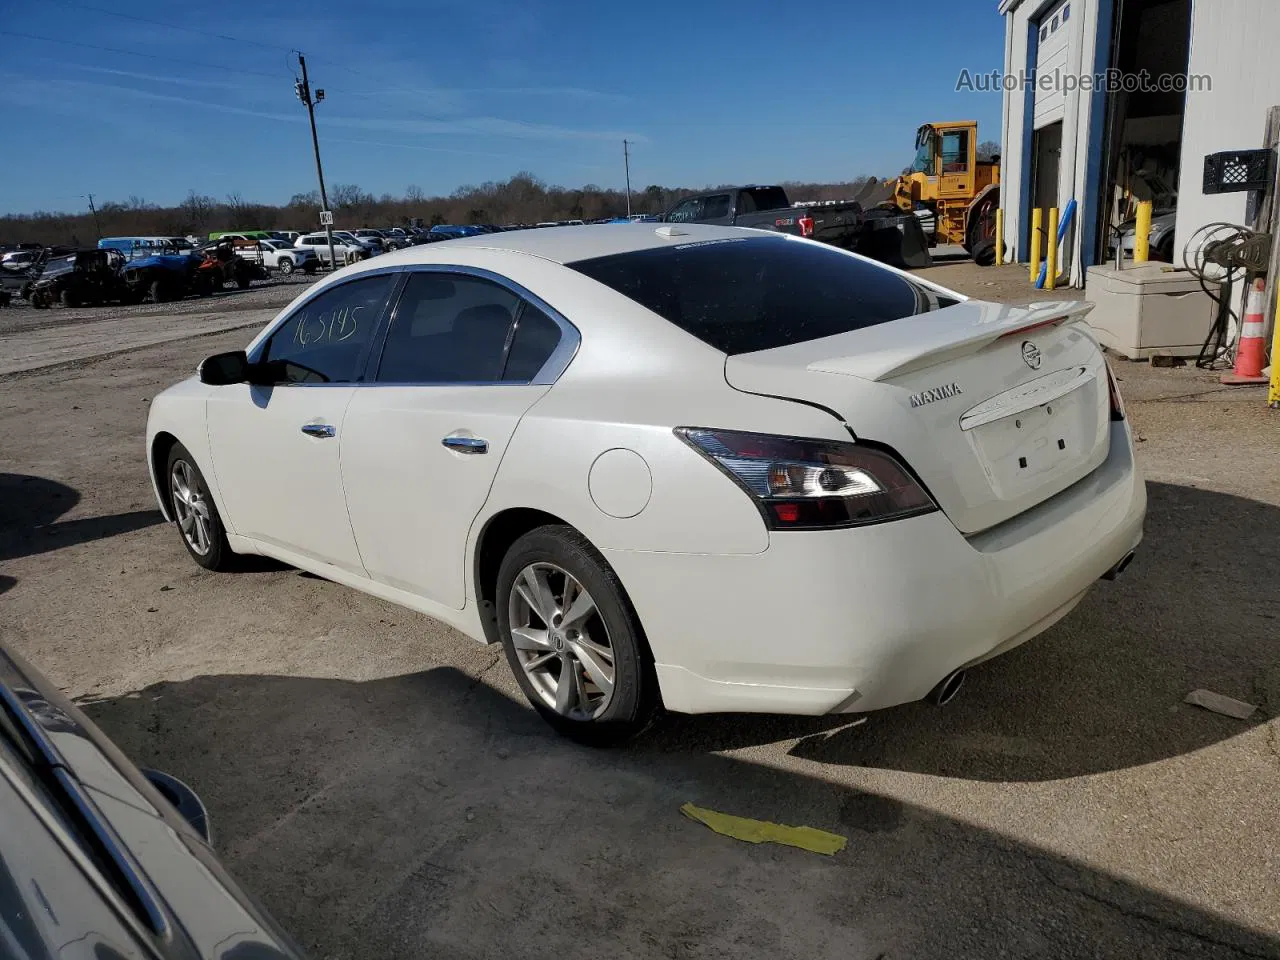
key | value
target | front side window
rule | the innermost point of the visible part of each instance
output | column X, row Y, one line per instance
column 687, row 211
column 327, row 339
column 448, row 328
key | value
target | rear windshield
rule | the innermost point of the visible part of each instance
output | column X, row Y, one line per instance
column 748, row 294
column 766, row 198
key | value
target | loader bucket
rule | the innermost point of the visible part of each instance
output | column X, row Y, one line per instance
column 896, row 239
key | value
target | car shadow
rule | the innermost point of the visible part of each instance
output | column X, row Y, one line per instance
column 1101, row 690
column 430, row 815
column 30, row 508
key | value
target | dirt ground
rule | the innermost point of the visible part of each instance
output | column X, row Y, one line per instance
column 378, row 781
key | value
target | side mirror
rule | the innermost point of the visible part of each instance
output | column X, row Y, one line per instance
column 224, row 368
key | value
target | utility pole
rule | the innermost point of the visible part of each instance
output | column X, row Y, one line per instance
column 94, row 210
column 626, row 162
column 303, row 89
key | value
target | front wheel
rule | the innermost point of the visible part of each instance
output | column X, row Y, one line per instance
column 195, row 513
column 573, row 641
column 68, row 298
column 285, row 266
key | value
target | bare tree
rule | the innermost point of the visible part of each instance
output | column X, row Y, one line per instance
column 522, row 198
column 988, row 150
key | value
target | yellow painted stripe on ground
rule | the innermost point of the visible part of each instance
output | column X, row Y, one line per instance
column 762, row 831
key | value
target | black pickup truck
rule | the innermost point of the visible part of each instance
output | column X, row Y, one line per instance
column 894, row 239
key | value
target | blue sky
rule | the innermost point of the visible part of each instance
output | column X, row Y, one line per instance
column 441, row 93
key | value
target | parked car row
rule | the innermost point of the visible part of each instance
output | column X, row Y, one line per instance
column 128, row 270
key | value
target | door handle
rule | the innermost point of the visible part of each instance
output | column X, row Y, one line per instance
column 321, row 430
column 466, row 444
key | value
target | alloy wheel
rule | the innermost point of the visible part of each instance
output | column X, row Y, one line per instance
column 561, row 642
column 191, row 507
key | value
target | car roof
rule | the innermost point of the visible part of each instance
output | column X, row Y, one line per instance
column 569, row 244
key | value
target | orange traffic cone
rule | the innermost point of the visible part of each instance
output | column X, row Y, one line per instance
column 1251, row 348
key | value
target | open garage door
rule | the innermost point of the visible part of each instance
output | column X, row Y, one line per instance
column 1052, row 51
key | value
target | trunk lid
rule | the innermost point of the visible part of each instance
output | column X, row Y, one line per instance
column 995, row 407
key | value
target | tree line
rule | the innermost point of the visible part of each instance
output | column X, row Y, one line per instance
column 521, row 199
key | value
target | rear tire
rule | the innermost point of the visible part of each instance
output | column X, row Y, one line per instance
column 243, row 281
column 194, row 512
column 285, row 266
column 68, row 299
column 610, row 690
column 157, row 292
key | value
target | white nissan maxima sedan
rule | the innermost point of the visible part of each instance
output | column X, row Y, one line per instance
column 703, row 468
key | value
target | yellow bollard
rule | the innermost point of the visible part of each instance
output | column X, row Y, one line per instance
column 999, row 237
column 1051, row 258
column 1142, row 233
column 1037, row 219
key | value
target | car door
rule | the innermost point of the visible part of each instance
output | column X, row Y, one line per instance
column 465, row 356
column 275, row 445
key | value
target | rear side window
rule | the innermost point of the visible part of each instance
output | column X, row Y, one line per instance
column 448, row 328
column 743, row 295
column 536, row 338
column 713, row 208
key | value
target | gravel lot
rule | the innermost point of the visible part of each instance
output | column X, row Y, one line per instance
column 378, row 781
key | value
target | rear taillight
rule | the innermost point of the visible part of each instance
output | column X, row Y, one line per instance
column 803, row 484
column 1117, row 402
column 806, row 226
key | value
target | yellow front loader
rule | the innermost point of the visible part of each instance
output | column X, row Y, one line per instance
column 948, row 180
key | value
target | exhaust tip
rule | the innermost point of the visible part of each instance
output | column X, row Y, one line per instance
column 946, row 689
column 1119, row 568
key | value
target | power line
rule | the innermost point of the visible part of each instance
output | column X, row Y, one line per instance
column 173, row 26
column 222, row 67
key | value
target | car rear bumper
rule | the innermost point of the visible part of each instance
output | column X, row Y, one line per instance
column 860, row 619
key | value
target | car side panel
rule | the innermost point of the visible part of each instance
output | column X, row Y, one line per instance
column 180, row 412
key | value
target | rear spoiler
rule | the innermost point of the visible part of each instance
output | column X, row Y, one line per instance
column 912, row 343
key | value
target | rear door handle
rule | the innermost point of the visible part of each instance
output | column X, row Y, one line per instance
column 466, row 444
column 322, row 430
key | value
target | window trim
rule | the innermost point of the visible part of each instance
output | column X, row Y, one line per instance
column 551, row 370
column 256, row 348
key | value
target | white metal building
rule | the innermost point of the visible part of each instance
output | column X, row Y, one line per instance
column 1107, row 149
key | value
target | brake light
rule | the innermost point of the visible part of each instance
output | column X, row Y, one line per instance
column 1023, row 331
column 1117, row 402
column 801, row 484
column 806, row 226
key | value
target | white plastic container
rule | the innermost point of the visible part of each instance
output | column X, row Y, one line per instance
column 1149, row 310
